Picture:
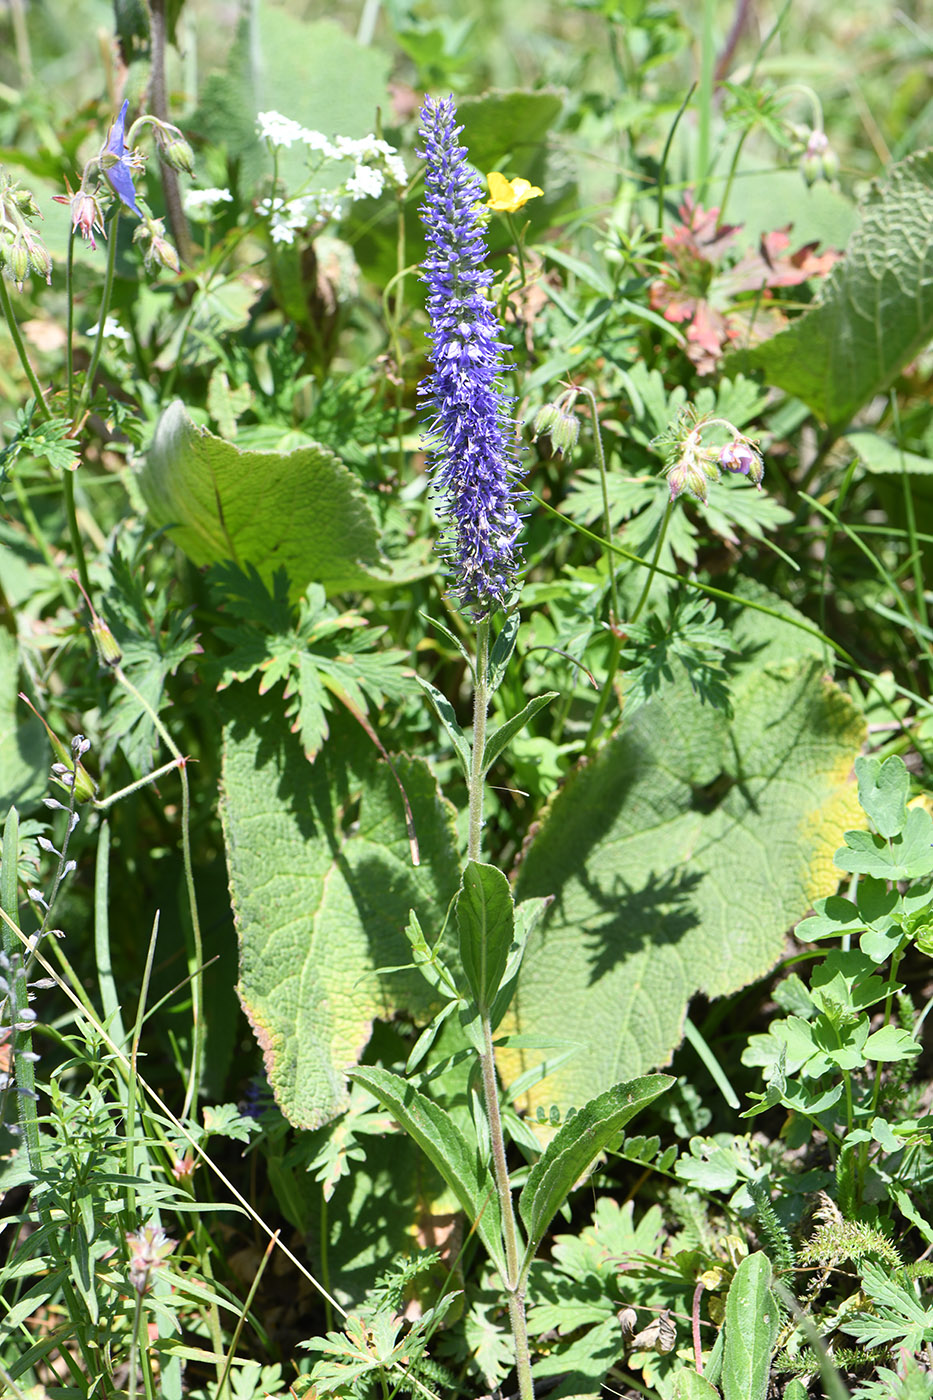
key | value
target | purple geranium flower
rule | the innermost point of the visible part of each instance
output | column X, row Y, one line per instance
column 118, row 163
column 472, row 464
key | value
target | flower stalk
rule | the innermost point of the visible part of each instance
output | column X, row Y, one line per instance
column 474, row 473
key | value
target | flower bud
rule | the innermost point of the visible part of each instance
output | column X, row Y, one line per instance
column 39, row 257
column 562, row 427
column 108, row 652
column 19, row 262
column 179, row 155
column 25, row 202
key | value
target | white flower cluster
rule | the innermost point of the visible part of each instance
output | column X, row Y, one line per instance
column 374, row 163
column 197, row 200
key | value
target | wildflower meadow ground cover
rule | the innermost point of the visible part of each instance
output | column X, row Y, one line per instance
column 466, row 896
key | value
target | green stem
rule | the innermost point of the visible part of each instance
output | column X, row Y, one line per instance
column 518, row 249
column 70, row 321
column 88, row 384
column 705, row 98
column 513, row 1282
column 731, row 176
column 23, row 1067
column 662, row 168
column 77, row 544
column 654, row 563
column 16, row 336
column 197, row 962
column 480, row 706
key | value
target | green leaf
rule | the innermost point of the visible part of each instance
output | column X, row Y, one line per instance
column 575, row 1148
column 883, row 789
column 904, row 857
column 447, row 716
column 486, row 920
column 302, row 511
column 316, row 73
column 891, row 1043
column 834, row 917
column 884, row 458
column 677, row 858
column 752, row 1321
column 445, row 1146
column 24, row 754
column 688, row 1385
column 500, row 738
column 876, row 308
column 321, row 901
column 501, row 652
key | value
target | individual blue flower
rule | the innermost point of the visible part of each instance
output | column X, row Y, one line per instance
column 118, row 163
column 472, row 465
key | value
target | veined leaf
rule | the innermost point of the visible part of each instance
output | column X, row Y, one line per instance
column 876, row 308
column 752, row 1320
column 445, row 1146
column 575, row 1148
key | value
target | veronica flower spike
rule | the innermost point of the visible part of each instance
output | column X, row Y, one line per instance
column 473, row 466
column 118, row 163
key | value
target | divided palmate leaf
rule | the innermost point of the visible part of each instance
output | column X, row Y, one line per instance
column 678, row 858
column 302, row 511
column 876, row 308
column 443, row 1143
column 321, row 890
column 575, row 1148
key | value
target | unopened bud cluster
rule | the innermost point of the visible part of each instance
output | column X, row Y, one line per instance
column 818, row 160
column 558, row 422
column 693, row 463
column 21, row 250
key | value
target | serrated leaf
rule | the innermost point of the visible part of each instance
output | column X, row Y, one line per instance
column 486, row 921
column 677, row 859
column 752, row 1322
column 302, row 511
column 445, row 1146
column 316, row 922
column 500, row 738
column 875, row 312
column 884, row 458
column 883, row 789
column 575, row 1148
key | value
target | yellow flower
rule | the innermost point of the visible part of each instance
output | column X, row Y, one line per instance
column 509, row 195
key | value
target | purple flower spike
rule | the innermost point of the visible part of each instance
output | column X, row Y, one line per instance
column 472, row 464
column 118, row 163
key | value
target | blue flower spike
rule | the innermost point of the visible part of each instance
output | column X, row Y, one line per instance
column 473, row 467
column 118, row 163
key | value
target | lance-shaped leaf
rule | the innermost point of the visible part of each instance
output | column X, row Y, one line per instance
column 752, row 1321
column 500, row 738
column 575, row 1148
column 485, row 916
column 446, row 1148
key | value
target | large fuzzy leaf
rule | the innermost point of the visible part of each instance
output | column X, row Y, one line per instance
column 678, row 859
column 876, row 308
column 302, row 511
column 321, row 890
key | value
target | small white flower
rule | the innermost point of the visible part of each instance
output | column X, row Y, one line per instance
column 112, row 331
column 196, row 200
column 317, row 141
column 278, row 130
column 396, row 168
column 365, row 183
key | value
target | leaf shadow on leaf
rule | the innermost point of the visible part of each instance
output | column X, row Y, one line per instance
column 658, row 913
